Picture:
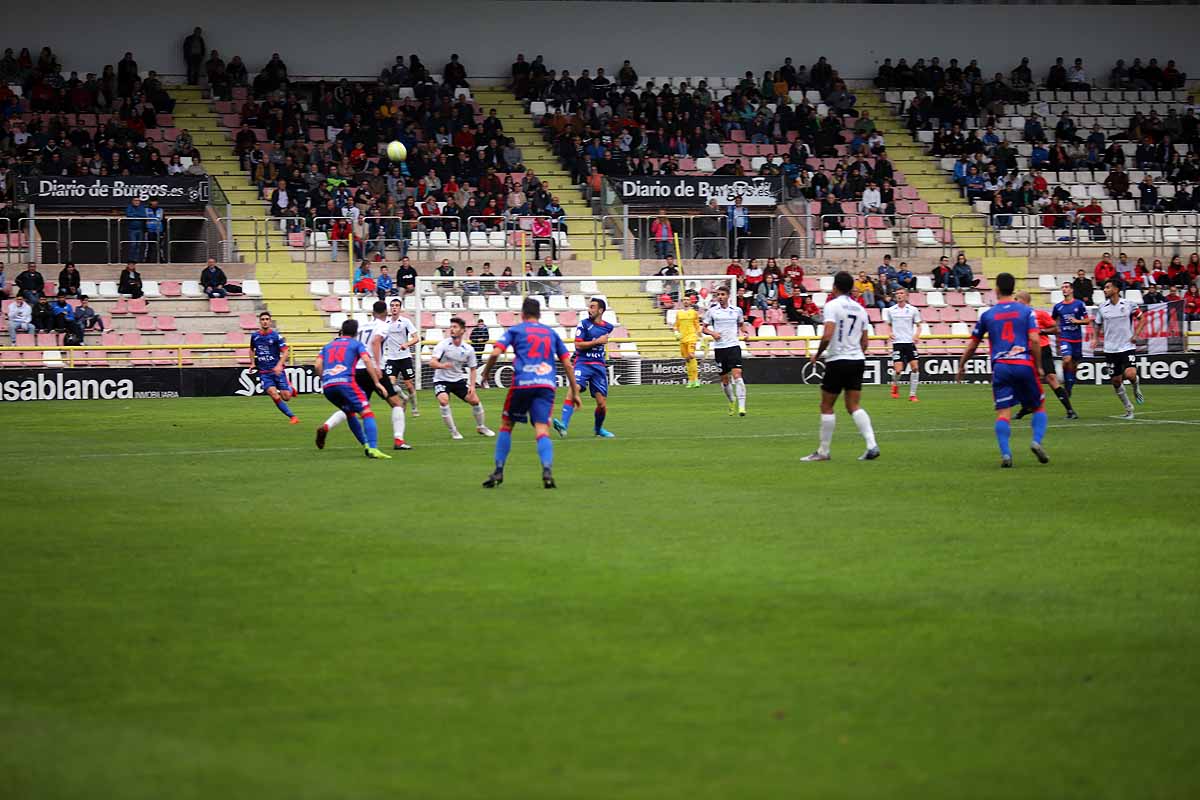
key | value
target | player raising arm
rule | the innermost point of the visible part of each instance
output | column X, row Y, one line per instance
column 536, row 350
column 1118, row 318
column 270, row 351
column 591, row 371
column 1016, row 359
column 451, row 360
column 846, row 339
column 335, row 365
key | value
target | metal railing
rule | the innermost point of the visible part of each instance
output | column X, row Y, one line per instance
column 107, row 239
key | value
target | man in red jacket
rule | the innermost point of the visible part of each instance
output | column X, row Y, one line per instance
column 1106, row 271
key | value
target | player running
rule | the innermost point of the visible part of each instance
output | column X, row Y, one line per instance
column 400, row 336
column 452, row 360
column 536, row 349
column 336, row 365
column 1071, row 315
column 1046, row 326
column 687, row 331
column 269, row 350
column 845, row 338
column 723, row 322
column 1016, row 357
column 906, row 333
column 371, row 335
column 591, row 371
column 1118, row 318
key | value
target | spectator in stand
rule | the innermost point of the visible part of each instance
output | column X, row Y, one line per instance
column 406, row 277
column 64, row 320
column 155, row 225
column 30, row 283
column 662, row 235
column 68, row 280
column 793, row 271
column 1106, row 271
column 1117, row 182
column 87, row 317
column 384, row 285
column 43, row 315
column 20, row 318
column 479, row 336
column 738, row 222
column 364, row 282
column 549, row 269
column 1178, row 273
column 1191, row 303
column 1083, row 286
column 707, row 230
column 627, row 76
column 194, row 49
column 961, row 275
column 1077, row 77
column 1148, row 195
column 1159, row 275
column 941, row 273
column 1091, row 217
column 213, row 280
column 454, row 74
column 905, row 277
column 135, row 229
column 130, row 281
column 471, row 285
column 1153, row 295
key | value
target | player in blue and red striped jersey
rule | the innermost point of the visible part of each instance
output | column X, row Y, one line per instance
column 335, row 365
column 1071, row 315
column 591, row 371
column 536, row 350
column 1016, row 365
column 269, row 350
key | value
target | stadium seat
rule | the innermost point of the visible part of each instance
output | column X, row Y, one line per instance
column 90, row 288
column 319, row 288
column 150, row 289
column 330, row 303
column 167, row 323
column 247, row 322
column 191, row 289
column 138, row 306
column 170, row 289
column 218, row 305
column 121, row 306
column 251, row 288
column 341, row 287
column 146, row 322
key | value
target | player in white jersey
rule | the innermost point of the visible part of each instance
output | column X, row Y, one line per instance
column 400, row 336
column 1121, row 321
column 454, row 363
column 372, row 334
column 905, row 320
column 844, row 343
column 723, row 321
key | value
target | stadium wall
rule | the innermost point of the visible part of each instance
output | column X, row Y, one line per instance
column 319, row 38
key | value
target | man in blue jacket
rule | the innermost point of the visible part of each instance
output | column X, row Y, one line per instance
column 738, row 221
column 135, row 222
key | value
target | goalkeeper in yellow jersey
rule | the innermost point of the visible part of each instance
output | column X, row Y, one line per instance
column 687, row 331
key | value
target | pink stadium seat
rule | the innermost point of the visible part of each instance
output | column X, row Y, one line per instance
column 940, row 329
column 121, row 306
column 170, row 288
column 50, row 289
column 247, row 322
column 736, row 135
column 218, row 305
column 138, row 306
column 955, row 299
column 91, row 358
column 330, row 304
column 177, row 339
column 233, row 337
column 507, row 319
column 427, row 319
column 567, row 319
column 874, row 314
column 931, row 314
column 46, row 340
column 193, row 337
column 811, row 284
column 917, row 299
column 167, row 323
column 952, row 314
column 146, row 322
column 110, row 338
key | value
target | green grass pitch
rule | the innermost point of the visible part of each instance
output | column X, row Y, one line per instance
column 195, row 603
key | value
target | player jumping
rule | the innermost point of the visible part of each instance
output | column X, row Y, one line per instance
column 536, row 349
column 1046, row 326
column 452, row 359
column 687, row 331
column 1118, row 317
column 270, row 351
column 724, row 321
column 846, row 338
column 591, row 371
column 1016, row 358
column 336, row 365
column 906, row 333
column 1071, row 315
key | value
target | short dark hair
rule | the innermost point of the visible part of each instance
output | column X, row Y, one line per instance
column 1114, row 283
column 262, row 314
column 1005, row 283
column 531, row 308
column 600, row 301
column 843, row 282
column 349, row 328
column 379, row 307
column 458, row 321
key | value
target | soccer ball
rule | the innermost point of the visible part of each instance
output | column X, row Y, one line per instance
column 396, row 151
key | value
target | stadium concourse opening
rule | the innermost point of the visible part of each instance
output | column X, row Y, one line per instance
column 726, row 400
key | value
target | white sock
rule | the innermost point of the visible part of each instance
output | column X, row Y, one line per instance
column 337, row 419
column 398, row 423
column 739, row 389
column 863, row 420
column 448, row 418
column 478, row 412
column 412, row 400
column 1124, row 397
column 727, row 388
column 913, row 379
column 828, row 423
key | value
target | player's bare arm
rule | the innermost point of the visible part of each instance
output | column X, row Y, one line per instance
column 574, row 392
column 707, row 331
column 972, row 346
column 826, row 338
column 373, row 371
column 319, row 365
column 491, row 365
column 283, row 356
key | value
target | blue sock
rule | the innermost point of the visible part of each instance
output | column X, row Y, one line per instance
column 355, row 427
column 503, row 445
column 568, row 410
column 600, row 415
column 1039, row 426
column 283, row 407
column 545, row 451
column 1003, row 433
column 1069, row 379
column 370, row 432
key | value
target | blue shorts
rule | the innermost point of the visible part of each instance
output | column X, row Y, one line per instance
column 1016, row 385
column 533, row 405
column 280, row 382
column 1071, row 349
column 593, row 377
column 348, row 397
